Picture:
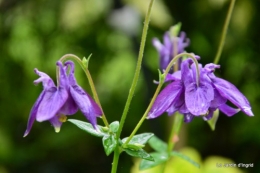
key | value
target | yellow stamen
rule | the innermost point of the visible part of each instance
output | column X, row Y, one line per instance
column 62, row 118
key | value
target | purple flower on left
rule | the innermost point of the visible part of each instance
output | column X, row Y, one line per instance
column 54, row 103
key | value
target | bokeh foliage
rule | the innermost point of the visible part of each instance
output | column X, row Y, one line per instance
column 35, row 34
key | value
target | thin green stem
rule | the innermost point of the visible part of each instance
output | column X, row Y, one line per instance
column 91, row 83
column 137, row 71
column 224, row 31
column 178, row 119
column 115, row 160
column 158, row 90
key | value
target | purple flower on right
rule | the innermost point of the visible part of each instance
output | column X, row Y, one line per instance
column 183, row 94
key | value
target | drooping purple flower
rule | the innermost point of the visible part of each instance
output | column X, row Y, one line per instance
column 184, row 95
column 170, row 47
column 50, row 101
column 85, row 103
column 55, row 103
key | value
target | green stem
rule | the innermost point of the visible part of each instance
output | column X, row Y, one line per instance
column 115, row 160
column 137, row 71
column 178, row 119
column 224, row 32
column 159, row 88
column 91, row 83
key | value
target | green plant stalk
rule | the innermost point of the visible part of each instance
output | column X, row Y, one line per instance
column 91, row 83
column 115, row 160
column 137, row 71
column 177, row 123
column 224, row 31
column 159, row 88
column 133, row 86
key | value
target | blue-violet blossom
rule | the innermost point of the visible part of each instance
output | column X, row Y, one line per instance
column 54, row 103
column 167, row 49
column 183, row 94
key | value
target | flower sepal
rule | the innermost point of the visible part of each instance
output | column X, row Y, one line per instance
column 213, row 121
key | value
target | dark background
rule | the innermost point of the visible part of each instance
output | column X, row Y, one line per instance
column 37, row 33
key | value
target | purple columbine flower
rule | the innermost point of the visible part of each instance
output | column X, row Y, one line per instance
column 54, row 103
column 183, row 94
column 167, row 50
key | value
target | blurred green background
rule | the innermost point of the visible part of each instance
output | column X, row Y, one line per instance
column 35, row 34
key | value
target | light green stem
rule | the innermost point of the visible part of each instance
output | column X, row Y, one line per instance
column 91, row 83
column 159, row 88
column 224, row 32
column 115, row 160
column 133, row 86
column 137, row 71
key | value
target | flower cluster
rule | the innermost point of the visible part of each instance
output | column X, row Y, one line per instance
column 54, row 103
column 195, row 97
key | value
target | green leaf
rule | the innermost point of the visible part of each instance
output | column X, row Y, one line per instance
column 109, row 143
column 161, row 76
column 174, row 30
column 86, row 61
column 139, row 139
column 87, row 127
column 139, row 153
column 213, row 121
column 114, row 126
column 182, row 156
column 157, row 144
column 134, row 146
column 159, row 158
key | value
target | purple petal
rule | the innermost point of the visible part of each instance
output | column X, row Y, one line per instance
column 167, row 42
column 172, row 77
column 47, row 82
column 218, row 100
column 209, row 114
column 230, row 92
column 33, row 113
column 157, row 44
column 56, row 123
column 164, row 60
column 63, row 80
column 86, row 104
column 51, row 103
column 69, row 107
column 198, row 98
column 186, row 73
column 229, row 111
column 165, row 99
column 188, row 117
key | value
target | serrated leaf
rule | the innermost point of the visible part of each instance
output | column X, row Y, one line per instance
column 87, row 127
column 114, row 126
column 109, row 144
column 139, row 153
column 139, row 139
column 213, row 121
column 159, row 158
column 157, row 144
column 184, row 157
